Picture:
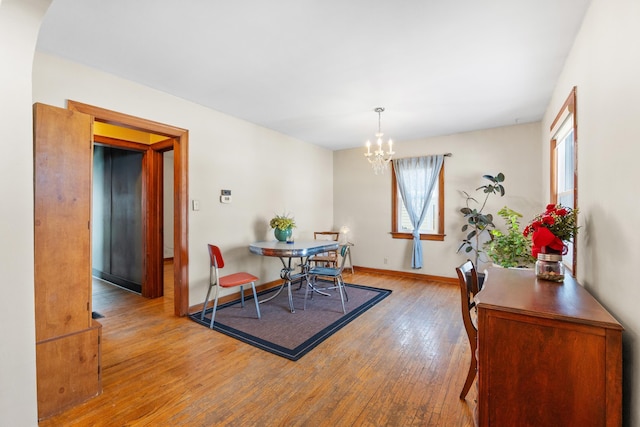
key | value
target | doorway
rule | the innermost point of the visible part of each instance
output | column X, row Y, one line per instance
column 116, row 223
column 177, row 140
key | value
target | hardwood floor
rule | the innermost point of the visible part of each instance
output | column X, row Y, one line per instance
column 402, row 363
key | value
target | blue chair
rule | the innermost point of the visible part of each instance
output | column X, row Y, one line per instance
column 334, row 274
column 230, row 281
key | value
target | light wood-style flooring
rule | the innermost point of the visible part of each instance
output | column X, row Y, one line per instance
column 402, row 363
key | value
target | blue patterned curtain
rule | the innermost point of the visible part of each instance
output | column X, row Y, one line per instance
column 417, row 177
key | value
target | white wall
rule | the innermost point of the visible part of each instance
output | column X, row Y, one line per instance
column 604, row 64
column 19, row 24
column 267, row 172
column 362, row 200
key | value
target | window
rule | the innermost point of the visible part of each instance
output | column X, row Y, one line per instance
column 564, row 170
column 564, row 153
column 433, row 226
column 430, row 224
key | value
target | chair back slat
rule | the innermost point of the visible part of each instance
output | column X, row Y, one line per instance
column 326, row 235
column 216, row 257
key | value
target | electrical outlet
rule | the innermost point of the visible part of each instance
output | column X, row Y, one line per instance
column 225, row 199
column 385, row 260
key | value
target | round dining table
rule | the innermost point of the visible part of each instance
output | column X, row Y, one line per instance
column 286, row 252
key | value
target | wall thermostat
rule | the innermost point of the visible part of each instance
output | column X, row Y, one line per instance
column 225, row 196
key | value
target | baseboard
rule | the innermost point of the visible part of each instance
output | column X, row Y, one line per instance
column 123, row 283
column 406, row 274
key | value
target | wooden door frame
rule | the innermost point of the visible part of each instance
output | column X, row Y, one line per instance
column 180, row 141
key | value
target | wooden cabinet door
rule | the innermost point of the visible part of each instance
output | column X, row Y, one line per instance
column 62, row 214
column 543, row 372
column 68, row 370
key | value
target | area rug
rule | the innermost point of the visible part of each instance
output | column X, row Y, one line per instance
column 291, row 335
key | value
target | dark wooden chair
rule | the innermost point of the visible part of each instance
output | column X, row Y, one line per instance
column 326, row 259
column 469, row 287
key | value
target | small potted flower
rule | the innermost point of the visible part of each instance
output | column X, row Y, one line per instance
column 282, row 227
column 549, row 231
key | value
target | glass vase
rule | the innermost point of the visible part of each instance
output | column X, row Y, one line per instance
column 550, row 267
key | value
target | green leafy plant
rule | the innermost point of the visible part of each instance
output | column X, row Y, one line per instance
column 282, row 222
column 478, row 222
column 510, row 248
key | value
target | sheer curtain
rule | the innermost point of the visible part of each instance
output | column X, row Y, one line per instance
column 417, row 177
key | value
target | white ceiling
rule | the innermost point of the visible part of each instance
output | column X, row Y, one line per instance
column 316, row 69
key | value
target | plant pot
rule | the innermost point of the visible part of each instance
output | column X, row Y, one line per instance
column 283, row 235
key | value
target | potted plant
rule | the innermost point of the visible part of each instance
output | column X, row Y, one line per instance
column 510, row 248
column 477, row 221
column 550, row 229
column 549, row 232
column 282, row 226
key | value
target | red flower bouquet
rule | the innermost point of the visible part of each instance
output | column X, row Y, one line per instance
column 549, row 230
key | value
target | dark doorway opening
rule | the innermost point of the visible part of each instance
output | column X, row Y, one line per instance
column 117, row 249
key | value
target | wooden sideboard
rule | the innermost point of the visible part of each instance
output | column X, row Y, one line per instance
column 548, row 354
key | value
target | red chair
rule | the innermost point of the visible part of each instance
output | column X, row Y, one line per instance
column 230, row 281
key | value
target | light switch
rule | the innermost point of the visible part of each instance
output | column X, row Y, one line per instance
column 195, row 204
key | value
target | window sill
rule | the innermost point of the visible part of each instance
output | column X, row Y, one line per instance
column 409, row 236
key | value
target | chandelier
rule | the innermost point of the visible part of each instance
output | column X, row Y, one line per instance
column 379, row 159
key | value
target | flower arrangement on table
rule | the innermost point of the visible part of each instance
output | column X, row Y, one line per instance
column 282, row 222
column 549, row 230
column 283, row 227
